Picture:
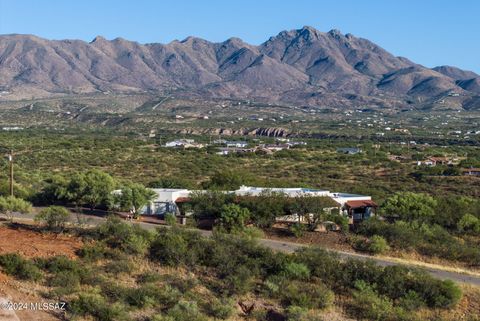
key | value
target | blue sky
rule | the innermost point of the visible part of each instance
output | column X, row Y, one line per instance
column 429, row 32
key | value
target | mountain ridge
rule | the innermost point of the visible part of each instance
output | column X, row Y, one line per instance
column 301, row 66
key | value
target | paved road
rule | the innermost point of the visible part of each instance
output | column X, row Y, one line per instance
column 288, row 247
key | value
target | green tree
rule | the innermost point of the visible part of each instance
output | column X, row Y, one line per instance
column 12, row 204
column 134, row 196
column 92, row 188
column 228, row 180
column 312, row 209
column 55, row 217
column 265, row 207
column 409, row 206
column 209, row 204
column 469, row 223
column 233, row 218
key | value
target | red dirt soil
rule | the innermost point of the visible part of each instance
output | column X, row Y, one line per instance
column 30, row 243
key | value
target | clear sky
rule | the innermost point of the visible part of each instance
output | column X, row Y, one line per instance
column 429, row 32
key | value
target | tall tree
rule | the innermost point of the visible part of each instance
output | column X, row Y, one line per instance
column 312, row 209
column 409, row 206
column 11, row 204
column 92, row 188
column 133, row 197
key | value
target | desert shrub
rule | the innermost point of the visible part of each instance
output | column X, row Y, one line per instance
column 144, row 296
column 14, row 264
column 93, row 252
column 61, row 263
column 368, row 304
column 221, row 309
column 120, row 266
column 94, row 304
column 377, row 245
column 322, row 264
column 66, row 279
column 469, row 223
column 149, row 277
column 307, row 295
column 113, row 292
column 296, row 271
column 411, row 301
column 169, row 248
column 252, row 232
column 439, row 294
column 131, row 239
column 170, row 219
column 297, row 229
column 374, row 245
column 54, row 217
column 233, row 218
column 186, row 311
column 296, row 313
column 239, row 281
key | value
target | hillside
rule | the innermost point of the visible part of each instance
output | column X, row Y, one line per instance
column 303, row 66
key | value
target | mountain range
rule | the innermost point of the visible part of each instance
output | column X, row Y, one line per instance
column 303, row 66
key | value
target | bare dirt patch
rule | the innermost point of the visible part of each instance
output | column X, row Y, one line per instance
column 30, row 243
column 331, row 240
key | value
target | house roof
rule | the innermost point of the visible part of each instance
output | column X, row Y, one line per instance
column 358, row 204
column 182, row 200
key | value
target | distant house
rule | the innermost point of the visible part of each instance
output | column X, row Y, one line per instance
column 471, row 172
column 434, row 161
column 239, row 144
column 184, row 143
column 275, row 147
column 355, row 207
column 234, row 150
column 349, row 150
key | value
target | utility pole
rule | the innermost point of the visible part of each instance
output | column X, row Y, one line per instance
column 10, row 160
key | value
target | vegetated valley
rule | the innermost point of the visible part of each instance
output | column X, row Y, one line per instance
column 72, row 143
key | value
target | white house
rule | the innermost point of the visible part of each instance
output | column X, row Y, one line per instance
column 165, row 201
column 239, row 144
column 355, row 207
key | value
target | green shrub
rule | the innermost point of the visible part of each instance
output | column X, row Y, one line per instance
column 14, row 264
column 144, row 296
column 66, row 279
column 307, row 295
column 186, row 311
column 169, row 248
column 239, row 281
column 149, row 277
column 369, row 305
column 131, row 239
column 469, row 223
column 377, row 245
column 113, row 291
column 221, row 309
column 61, row 263
column 170, row 219
column 297, row 229
column 296, row 271
column 94, row 304
column 93, row 252
column 54, row 217
column 233, row 218
column 120, row 266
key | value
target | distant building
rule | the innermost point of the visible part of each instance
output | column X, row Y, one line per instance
column 356, row 207
column 185, row 143
column 349, row 150
column 239, row 144
column 471, row 172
